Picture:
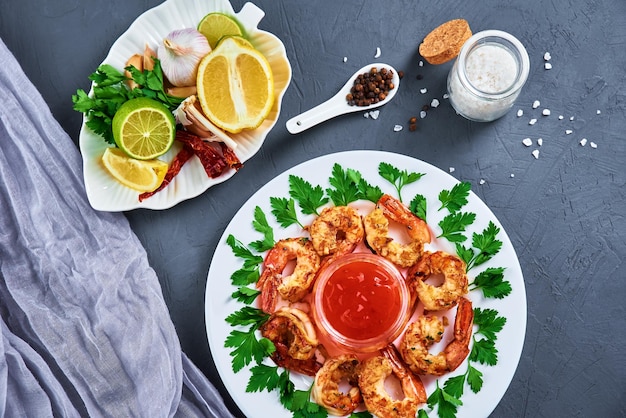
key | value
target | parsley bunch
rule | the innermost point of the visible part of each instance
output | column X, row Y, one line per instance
column 110, row 92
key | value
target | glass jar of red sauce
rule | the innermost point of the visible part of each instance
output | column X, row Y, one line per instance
column 361, row 302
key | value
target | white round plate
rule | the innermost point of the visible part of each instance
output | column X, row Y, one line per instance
column 219, row 304
column 104, row 192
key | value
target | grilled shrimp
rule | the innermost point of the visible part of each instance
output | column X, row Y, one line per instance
column 295, row 339
column 326, row 390
column 377, row 232
column 427, row 330
column 374, row 372
column 454, row 284
column 336, row 231
column 294, row 286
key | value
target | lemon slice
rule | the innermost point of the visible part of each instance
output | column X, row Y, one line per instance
column 143, row 128
column 243, row 42
column 140, row 175
column 216, row 25
column 235, row 86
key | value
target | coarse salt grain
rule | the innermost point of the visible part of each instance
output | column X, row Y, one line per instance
column 512, row 175
column 539, row 141
column 583, row 142
column 532, row 121
column 560, row 117
column 421, row 63
column 536, row 154
column 397, row 128
column 598, row 112
column 377, row 52
column 446, row 96
column 547, row 66
column 452, row 169
column 482, row 181
column 536, row 104
column 423, row 114
column 546, row 112
column 568, row 131
column 434, row 103
column 547, row 56
column 527, row 141
column 366, row 115
column 520, row 112
column 571, row 118
column 374, row 114
column 593, row 145
column 423, row 91
column 345, row 59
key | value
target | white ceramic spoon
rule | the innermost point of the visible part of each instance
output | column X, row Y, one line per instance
column 338, row 105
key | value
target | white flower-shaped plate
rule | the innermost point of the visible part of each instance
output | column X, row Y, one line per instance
column 103, row 191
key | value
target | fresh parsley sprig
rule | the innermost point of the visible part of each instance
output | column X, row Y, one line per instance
column 309, row 198
column 343, row 190
column 486, row 243
column 284, row 210
column 365, row 189
column 453, row 225
column 455, row 198
column 491, row 282
column 246, row 346
column 261, row 225
column 399, row 178
column 418, row 206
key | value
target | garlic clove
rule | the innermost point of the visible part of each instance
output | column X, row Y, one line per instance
column 180, row 54
column 190, row 115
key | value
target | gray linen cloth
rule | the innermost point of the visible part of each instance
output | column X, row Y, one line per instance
column 85, row 330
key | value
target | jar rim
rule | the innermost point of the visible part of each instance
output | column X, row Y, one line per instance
column 508, row 41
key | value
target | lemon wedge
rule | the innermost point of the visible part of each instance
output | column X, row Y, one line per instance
column 235, row 86
column 139, row 175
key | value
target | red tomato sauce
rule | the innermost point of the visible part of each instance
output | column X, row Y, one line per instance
column 361, row 300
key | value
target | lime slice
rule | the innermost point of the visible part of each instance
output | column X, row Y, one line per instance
column 217, row 25
column 140, row 175
column 144, row 128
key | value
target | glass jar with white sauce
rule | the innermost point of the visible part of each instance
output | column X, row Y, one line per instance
column 488, row 75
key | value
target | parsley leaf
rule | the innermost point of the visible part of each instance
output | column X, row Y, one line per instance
column 245, row 343
column 418, row 206
column 455, row 198
column 492, row 283
column 399, row 178
column 454, row 224
column 363, row 414
column 474, row 379
column 263, row 378
column 309, row 198
column 487, row 245
column 245, row 294
column 284, row 210
column 484, row 351
column 454, row 386
column 366, row 190
column 446, row 404
column 489, row 323
column 299, row 402
column 245, row 276
column 240, row 250
column 260, row 225
column 343, row 190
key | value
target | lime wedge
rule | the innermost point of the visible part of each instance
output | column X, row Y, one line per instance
column 217, row 25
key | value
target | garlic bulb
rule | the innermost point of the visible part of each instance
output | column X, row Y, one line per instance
column 180, row 53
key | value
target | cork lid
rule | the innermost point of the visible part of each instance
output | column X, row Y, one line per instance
column 445, row 41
